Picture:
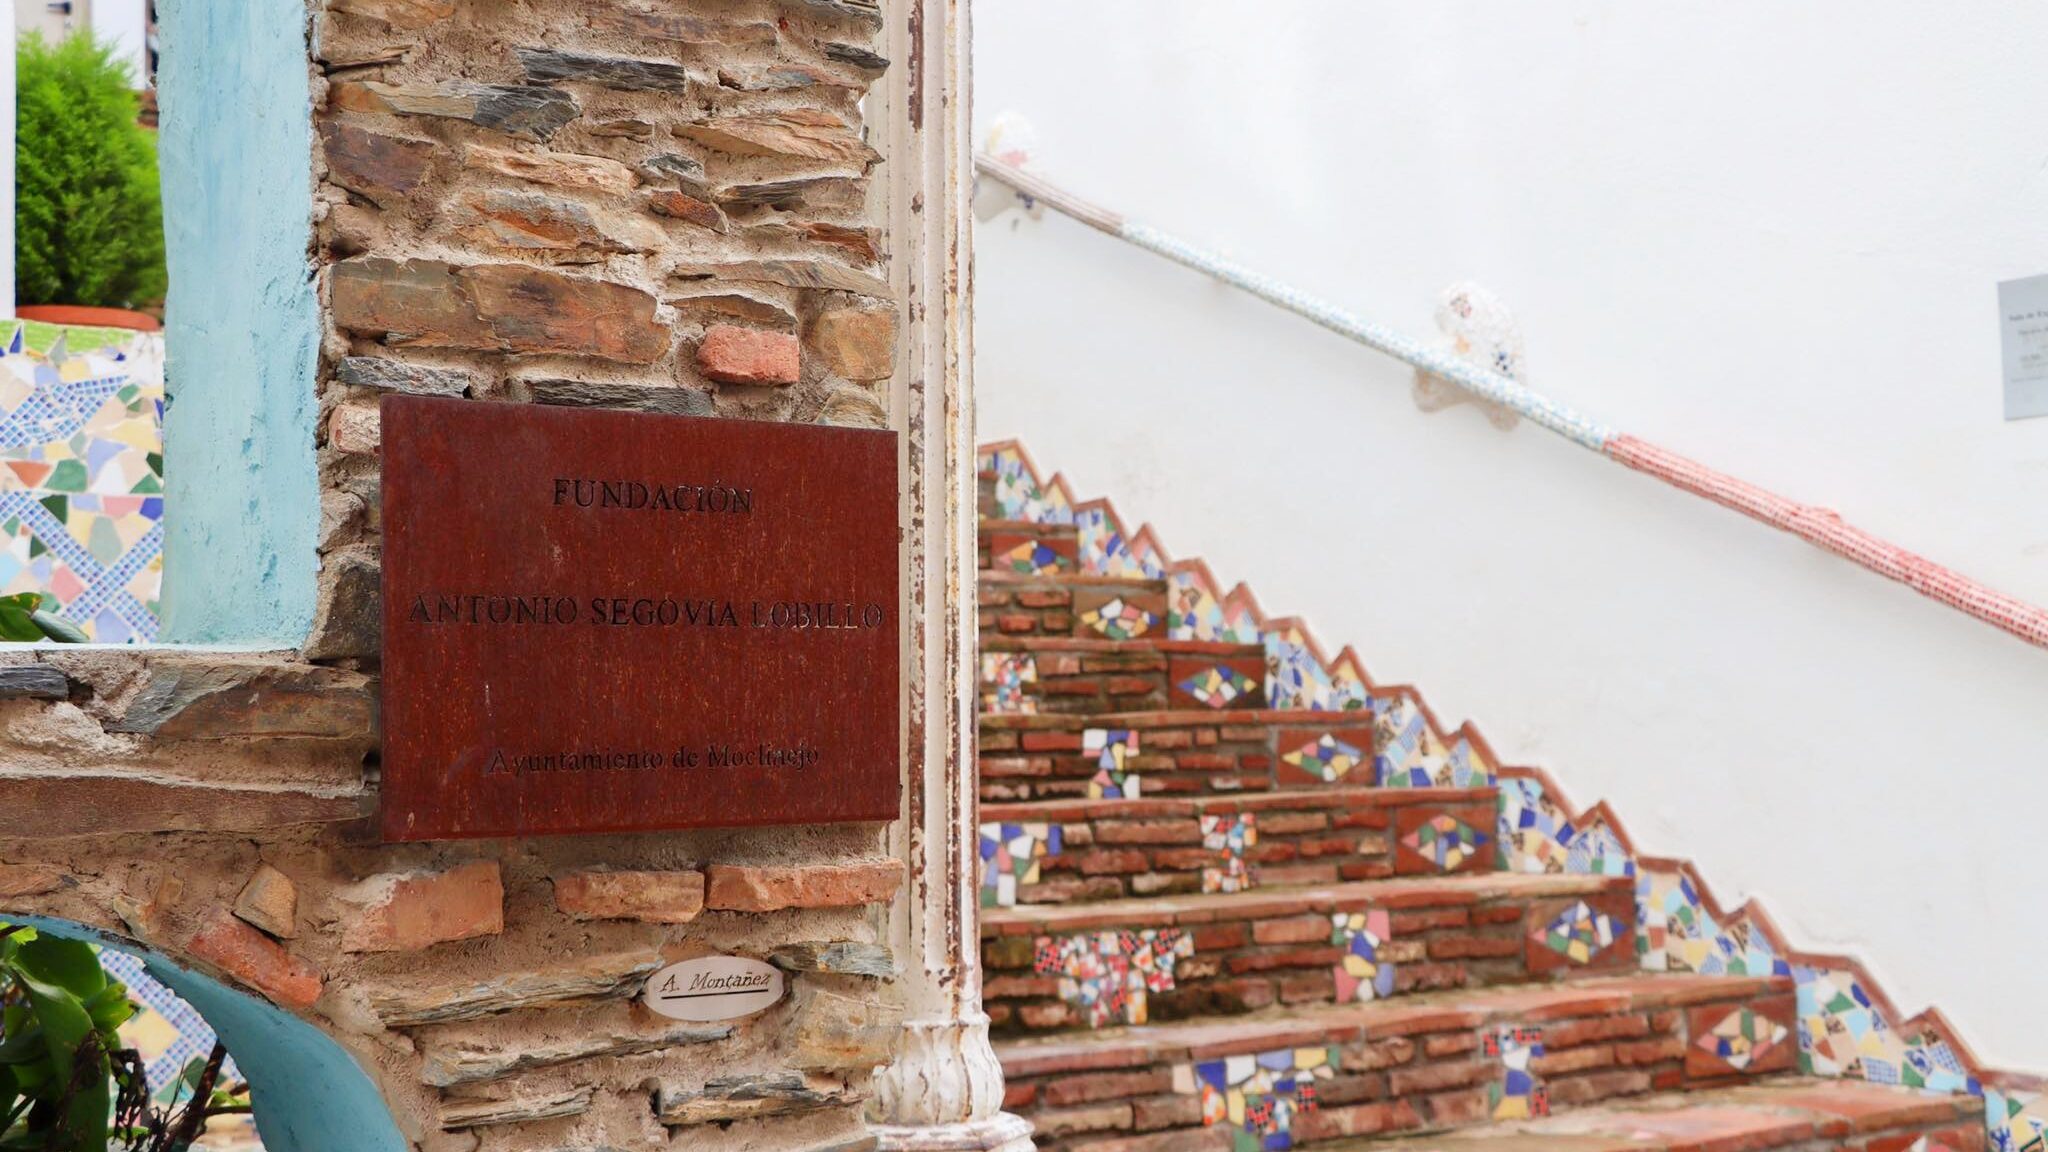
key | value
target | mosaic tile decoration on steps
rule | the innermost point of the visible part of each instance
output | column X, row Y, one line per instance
column 1108, row 975
column 1446, row 841
column 1326, row 757
column 1011, row 855
column 1032, row 558
column 1113, row 749
column 1258, row 1096
column 1537, row 837
column 1362, row 974
column 1003, row 677
column 1742, row 1038
column 1228, row 837
column 1218, row 687
column 81, row 480
column 1117, row 620
column 1676, row 931
column 1518, row 1094
column 1578, row 933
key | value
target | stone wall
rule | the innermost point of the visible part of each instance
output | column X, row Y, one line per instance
column 665, row 207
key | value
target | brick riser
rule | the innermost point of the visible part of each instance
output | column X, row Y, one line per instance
column 1186, row 752
column 1258, row 949
column 1401, row 1065
column 1113, row 849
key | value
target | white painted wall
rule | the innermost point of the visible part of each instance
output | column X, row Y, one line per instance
column 126, row 23
column 1766, row 235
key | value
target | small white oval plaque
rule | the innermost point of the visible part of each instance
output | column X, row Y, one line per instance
column 713, row 988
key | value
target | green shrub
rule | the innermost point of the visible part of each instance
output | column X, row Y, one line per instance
column 88, row 218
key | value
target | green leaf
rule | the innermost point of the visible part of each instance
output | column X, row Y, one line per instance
column 110, row 1008
column 69, row 964
column 23, row 1046
column 17, row 618
column 59, row 629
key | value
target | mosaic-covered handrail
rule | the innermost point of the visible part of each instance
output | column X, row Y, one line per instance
column 1816, row 525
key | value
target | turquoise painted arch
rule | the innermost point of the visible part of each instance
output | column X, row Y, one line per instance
column 309, row 1094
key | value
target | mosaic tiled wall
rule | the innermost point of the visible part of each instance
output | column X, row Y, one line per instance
column 1844, row 1027
column 169, row 1034
column 81, row 475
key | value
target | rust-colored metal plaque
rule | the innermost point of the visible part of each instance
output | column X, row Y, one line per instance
column 609, row 621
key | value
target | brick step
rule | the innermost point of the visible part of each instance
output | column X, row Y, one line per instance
column 1068, row 851
column 1435, row 1060
column 1082, row 675
column 1063, row 605
column 1052, row 966
column 1797, row 1114
column 1028, row 548
column 1185, row 749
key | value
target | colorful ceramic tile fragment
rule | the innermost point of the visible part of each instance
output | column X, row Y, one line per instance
column 1019, row 496
column 1193, row 612
column 1103, row 550
column 2016, row 1122
column 1113, row 749
column 1031, row 558
column 1108, row 975
column 1517, row 1095
column 1445, row 841
column 1742, row 1038
column 1410, row 754
column 1258, row 1096
column 1296, row 680
column 1218, row 686
column 1579, row 933
column 1597, row 851
column 1840, row 1028
column 1362, row 973
column 1010, row 856
column 1535, row 834
column 1326, row 757
column 1117, row 620
column 1003, row 677
column 81, row 481
column 1674, row 931
column 1229, row 836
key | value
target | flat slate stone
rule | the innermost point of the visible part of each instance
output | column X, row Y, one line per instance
column 525, row 111
column 398, row 376
column 33, row 682
column 545, row 65
column 677, row 401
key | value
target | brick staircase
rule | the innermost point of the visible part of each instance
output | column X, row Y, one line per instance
column 1238, row 896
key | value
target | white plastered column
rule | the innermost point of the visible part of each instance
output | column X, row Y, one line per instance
column 944, row 1089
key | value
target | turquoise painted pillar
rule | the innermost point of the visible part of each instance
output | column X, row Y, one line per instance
column 243, row 321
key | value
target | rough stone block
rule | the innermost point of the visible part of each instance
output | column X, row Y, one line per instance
column 521, row 1109
column 348, row 620
column 532, row 112
column 733, row 355
column 837, row 957
column 727, row 1098
column 558, row 169
column 610, row 977
column 22, row 880
column 650, row 897
column 213, row 698
column 677, row 400
column 33, row 682
column 355, row 429
column 41, row 807
column 255, row 960
column 791, row 134
column 270, row 901
column 383, row 168
column 399, row 912
column 855, row 344
column 398, row 376
column 831, row 1032
column 739, row 888
column 545, row 65
column 466, row 1062
column 496, row 307
column 397, row 13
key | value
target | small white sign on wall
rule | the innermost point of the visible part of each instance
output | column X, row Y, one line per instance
column 713, row 988
column 2023, row 324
